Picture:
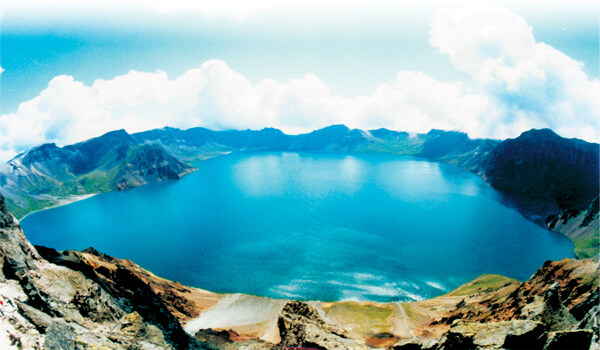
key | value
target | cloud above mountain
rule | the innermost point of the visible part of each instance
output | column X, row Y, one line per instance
column 516, row 84
column 528, row 84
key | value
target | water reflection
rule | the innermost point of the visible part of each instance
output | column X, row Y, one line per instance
column 292, row 174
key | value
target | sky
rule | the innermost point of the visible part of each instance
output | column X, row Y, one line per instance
column 72, row 70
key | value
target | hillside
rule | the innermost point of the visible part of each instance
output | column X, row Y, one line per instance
column 46, row 174
column 545, row 172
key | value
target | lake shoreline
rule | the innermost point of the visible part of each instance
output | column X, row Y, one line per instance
column 63, row 201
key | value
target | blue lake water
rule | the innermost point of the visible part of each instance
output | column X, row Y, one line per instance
column 310, row 226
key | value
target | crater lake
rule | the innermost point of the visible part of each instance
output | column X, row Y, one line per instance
column 310, row 226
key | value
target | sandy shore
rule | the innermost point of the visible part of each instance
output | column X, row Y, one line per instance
column 63, row 201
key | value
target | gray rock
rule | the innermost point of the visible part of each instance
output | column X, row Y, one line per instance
column 525, row 335
column 17, row 255
column 581, row 310
column 60, row 336
column 409, row 344
column 6, row 218
column 300, row 325
column 515, row 334
column 417, row 343
column 132, row 327
column 456, row 340
column 39, row 319
column 226, row 340
column 554, row 314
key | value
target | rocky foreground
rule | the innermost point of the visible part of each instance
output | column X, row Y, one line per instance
column 85, row 300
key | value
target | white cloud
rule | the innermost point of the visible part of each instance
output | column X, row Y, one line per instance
column 517, row 84
column 529, row 84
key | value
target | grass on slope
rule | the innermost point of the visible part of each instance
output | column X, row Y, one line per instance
column 366, row 318
column 413, row 314
column 586, row 248
column 31, row 204
column 483, row 284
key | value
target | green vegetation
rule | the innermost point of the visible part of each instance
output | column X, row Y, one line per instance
column 412, row 314
column 587, row 247
column 30, row 205
column 371, row 319
column 408, row 147
column 484, row 284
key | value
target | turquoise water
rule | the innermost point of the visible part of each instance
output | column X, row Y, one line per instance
column 310, row 226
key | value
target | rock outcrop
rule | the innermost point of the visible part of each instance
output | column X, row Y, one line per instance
column 301, row 326
column 51, row 306
column 556, row 307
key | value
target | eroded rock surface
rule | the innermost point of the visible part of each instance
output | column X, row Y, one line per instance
column 300, row 325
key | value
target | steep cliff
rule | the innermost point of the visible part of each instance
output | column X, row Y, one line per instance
column 553, row 181
column 581, row 227
column 545, row 173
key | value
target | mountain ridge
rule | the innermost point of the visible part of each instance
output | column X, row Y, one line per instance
column 113, row 161
column 539, row 173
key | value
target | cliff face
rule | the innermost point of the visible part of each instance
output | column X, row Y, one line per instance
column 543, row 168
column 553, row 181
column 581, row 227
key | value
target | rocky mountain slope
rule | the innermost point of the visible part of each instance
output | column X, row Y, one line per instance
column 545, row 172
column 546, row 177
column 115, row 161
column 54, row 307
column 551, row 179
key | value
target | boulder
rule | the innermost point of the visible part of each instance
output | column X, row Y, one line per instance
column 39, row 319
column 554, row 314
column 515, row 334
column 60, row 336
column 570, row 340
column 416, row 344
column 300, row 325
column 525, row 335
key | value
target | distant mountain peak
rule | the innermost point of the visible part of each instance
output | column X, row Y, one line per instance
column 120, row 132
column 336, row 127
column 546, row 132
column 271, row 131
column 111, row 136
column 45, row 146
